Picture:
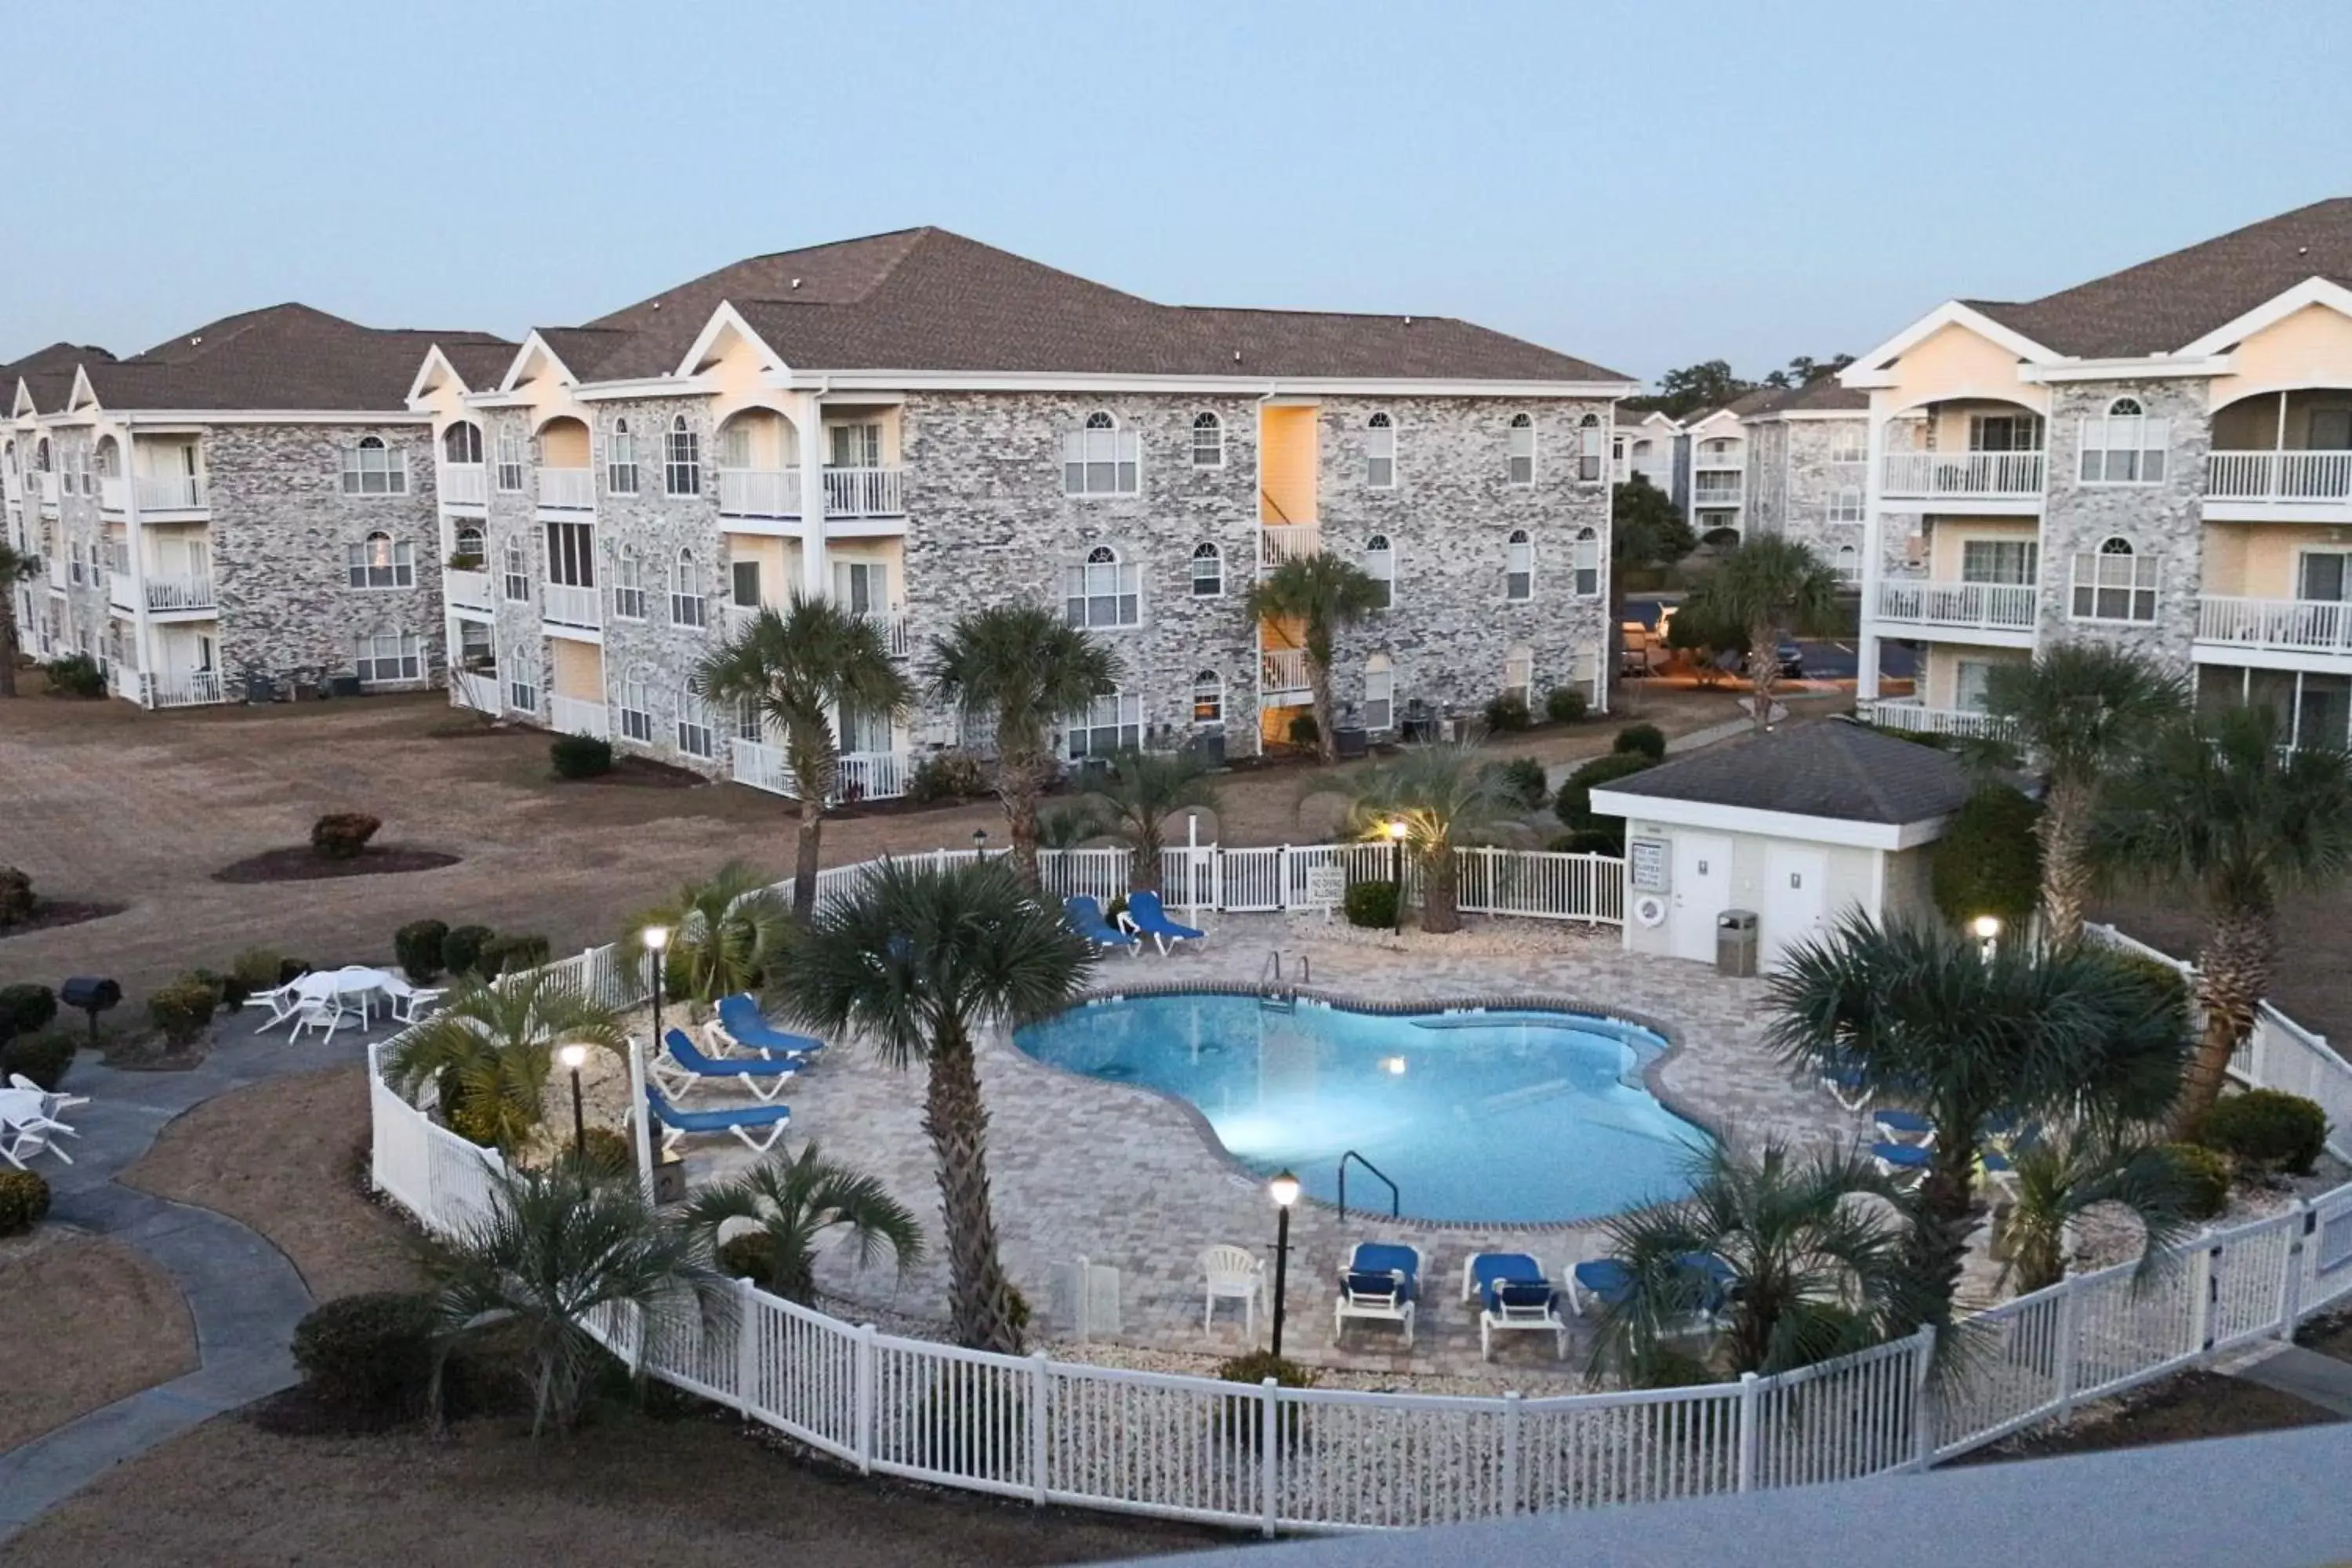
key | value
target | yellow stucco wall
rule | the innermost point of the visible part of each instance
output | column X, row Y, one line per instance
column 1941, row 685
column 1952, row 532
column 2259, row 560
column 1953, row 362
column 1287, row 460
column 2313, row 346
column 564, row 444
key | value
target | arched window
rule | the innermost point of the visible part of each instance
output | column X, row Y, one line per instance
column 508, row 477
column 1849, row 443
column 1101, row 460
column 750, row 723
column 1379, row 693
column 371, row 468
column 682, row 464
column 629, row 585
column 462, row 442
column 1208, row 441
column 1519, row 673
column 108, row 461
column 469, row 545
column 383, row 657
column 1380, row 565
column 1208, row 571
column 1523, row 450
column 1518, row 567
column 695, row 736
column 1208, row 698
column 686, row 606
column 1587, row 562
column 636, row 708
column 621, row 460
column 2125, row 447
column 517, row 573
column 1641, row 450
column 377, row 562
column 1849, row 564
column 41, row 455
column 521, row 665
column 1102, row 591
column 2115, row 583
column 1379, row 452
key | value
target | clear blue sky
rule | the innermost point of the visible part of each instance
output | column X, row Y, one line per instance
column 1646, row 186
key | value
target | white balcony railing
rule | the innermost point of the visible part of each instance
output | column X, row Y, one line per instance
column 864, row 775
column 171, row 492
column 742, row 618
column 759, row 492
column 1976, row 476
column 477, row 690
column 567, row 604
column 578, row 716
column 113, row 492
column 467, row 590
column 1715, row 495
column 862, row 492
column 2286, row 476
column 462, row 484
column 170, row 594
column 1287, row 541
column 1720, row 460
column 1916, row 717
column 1995, row 607
column 184, row 691
column 892, row 625
column 1282, row 673
column 121, row 592
column 2287, row 626
column 571, row 489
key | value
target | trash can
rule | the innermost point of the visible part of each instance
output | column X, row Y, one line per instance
column 1734, row 944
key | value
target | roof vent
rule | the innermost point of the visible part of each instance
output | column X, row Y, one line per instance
column 796, row 282
column 2303, row 250
column 1237, row 357
column 1408, row 321
column 657, row 304
column 194, row 340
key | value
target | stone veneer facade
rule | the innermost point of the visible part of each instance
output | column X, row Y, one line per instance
column 1796, row 474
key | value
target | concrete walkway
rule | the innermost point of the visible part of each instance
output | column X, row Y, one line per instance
column 2314, row 1379
column 243, row 1294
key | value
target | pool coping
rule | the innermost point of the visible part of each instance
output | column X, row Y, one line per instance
column 1547, row 1002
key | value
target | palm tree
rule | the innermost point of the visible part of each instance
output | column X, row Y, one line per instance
column 555, row 1250
column 1446, row 797
column 922, row 959
column 1769, row 586
column 489, row 1046
column 16, row 566
column 1927, row 1019
column 1813, row 1250
column 1140, row 793
column 792, row 1202
column 2079, row 713
column 2221, row 804
column 801, row 669
column 1020, row 670
column 720, row 930
column 1327, row 592
column 2065, row 1174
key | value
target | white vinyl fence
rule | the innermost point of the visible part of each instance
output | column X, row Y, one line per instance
column 1274, row 1458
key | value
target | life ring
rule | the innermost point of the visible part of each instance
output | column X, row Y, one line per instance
column 1650, row 909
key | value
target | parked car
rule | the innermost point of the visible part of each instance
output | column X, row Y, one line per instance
column 1792, row 662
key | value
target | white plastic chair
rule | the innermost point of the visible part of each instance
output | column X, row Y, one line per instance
column 325, row 1014
column 52, row 1101
column 1233, row 1274
column 283, row 1001
column 20, row 1140
column 404, row 1002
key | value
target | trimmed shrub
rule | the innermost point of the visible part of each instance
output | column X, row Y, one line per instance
column 23, row 1201
column 1372, row 905
column 1640, row 739
column 16, row 899
column 1574, row 804
column 1304, row 731
column 461, row 949
column 2266, row 1129
column 1589, row 841
column 289, row 969
column 257, row 969
column 42, row 1055
column 749, row 1256
column 182, row 1009
column 1256, row 1366
column 2168, row 986
column 1666, row 1367
column 341, row 835
column 1244, row 1416
column 25, row 1008
column 512, row 953
column 76, row 675
column 228, row 992
column 1566, row 704
column 1522, row 778
column 417, row 946
column 610, row 1153
column 1988, row 862
column 369, row 1356
column 580, row 756
column 946, row 775
column 1508, row 711
column 2204, row 1178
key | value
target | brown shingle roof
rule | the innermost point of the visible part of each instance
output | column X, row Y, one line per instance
column 48, row 372
column 283, row 357
column 2161, row 305
column 1829, row 768
column 1826, row 395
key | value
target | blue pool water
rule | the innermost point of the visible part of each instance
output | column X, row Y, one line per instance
column 1517, row 1117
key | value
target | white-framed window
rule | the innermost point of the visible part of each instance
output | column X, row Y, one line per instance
column 571, row 554
column 735, row 444
column 462, row 442
column 387, row 657
column 1587, row 559
column 686, row 606
column 1518, row 567
column 512, row 462
column 522, row 678
column 682, row 460
column 1101, row 460
column 377, row 562
column 1641, row 449
column 1109, row 724
column 1519, row 673
column 1522, row 465
column 1849, row 564
column 1845, row 504
column 1969, row 677
column 372, row 469
column 474, row 647
column 854, row 444
column 2013, row 562
column 517, row 574
column 108, row 461
column 469, row 542
column 1380, row 565
column 750, row 723
column 41, row 458
column 1208, row 441
column 1208, row 571
column 1379, row 452
column 636, row 709
column 1850, row 444
column 1588, row 447
column 696, row 737
column 1617, row 449
column 1379, row 693
column 629, row 586
column 2125, row 447
column 1102, row 591
column 75, row 547
column 2004, row 432
column 1208, row 698
column 2115, row 583
column 621, row 460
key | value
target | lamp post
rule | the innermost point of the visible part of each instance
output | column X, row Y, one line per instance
column 1284, row 1190
column 574, row 1058
column 1988, row 934
column 657, row 941
column 1396, row 831
column 980, row 844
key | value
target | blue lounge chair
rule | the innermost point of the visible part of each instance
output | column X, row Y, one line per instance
column 675, row 1123
column 1904, row 1126
column 765, row 1077
column 1606, row 1280
column 1382, row 1281
column 1902, row 1159
column 1146, row 916
column 1846, row 1087
column 1514, row 1292
column 1086, row 918
column 740, row 1021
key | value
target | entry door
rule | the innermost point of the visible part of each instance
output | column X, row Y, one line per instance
column 1793, row 900
column 1702, row 891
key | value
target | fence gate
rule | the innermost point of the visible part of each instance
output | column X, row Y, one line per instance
column 1253, row 881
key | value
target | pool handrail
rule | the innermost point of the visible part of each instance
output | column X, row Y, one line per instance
column 1396, row 1199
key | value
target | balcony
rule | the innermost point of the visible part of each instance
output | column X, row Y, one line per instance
column 467, row 590
column 1734, row 460
column 892, row 625
column 1282, row 677
column 864, row 775
column 1288, row 542
column 1912, row 716
column 113, row 492
column 462, row 484
column 579, row 716
column 2290, row 487
column 863, row 492
column 567, row 489
column 2275, row 626
column 2006, row 607
column 1961, row 476
column 759, row 492
column 477, row 689
column 170, row 492
column 179, row 595
column 191, row 689
column 121, row 591
column 1706, row 496
column 570, row 604
column 46, row 486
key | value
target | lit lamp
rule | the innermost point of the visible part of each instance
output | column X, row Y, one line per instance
column 1284, row 1190
column 1396, row 831
column 574, row 1058
column 979, row 842
column 657, row 940
column 1988, row 932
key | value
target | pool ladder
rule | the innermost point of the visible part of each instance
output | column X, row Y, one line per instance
column 1273, row 997
column 1396, row 1199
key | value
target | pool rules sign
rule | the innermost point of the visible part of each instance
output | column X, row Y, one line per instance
column 1645, row 865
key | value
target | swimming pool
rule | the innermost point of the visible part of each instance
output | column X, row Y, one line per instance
column 1501, row 1117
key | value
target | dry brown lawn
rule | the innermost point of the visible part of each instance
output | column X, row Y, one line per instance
column 87, row 1323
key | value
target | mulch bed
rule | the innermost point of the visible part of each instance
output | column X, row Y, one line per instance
column 152, row 1056
column 2182, row 1408
column 301, row 863
column 642, row 773
column 50, row 913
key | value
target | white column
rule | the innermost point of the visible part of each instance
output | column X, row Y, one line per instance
column 1865, row 686
column 141, row 646
column 808, row 421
